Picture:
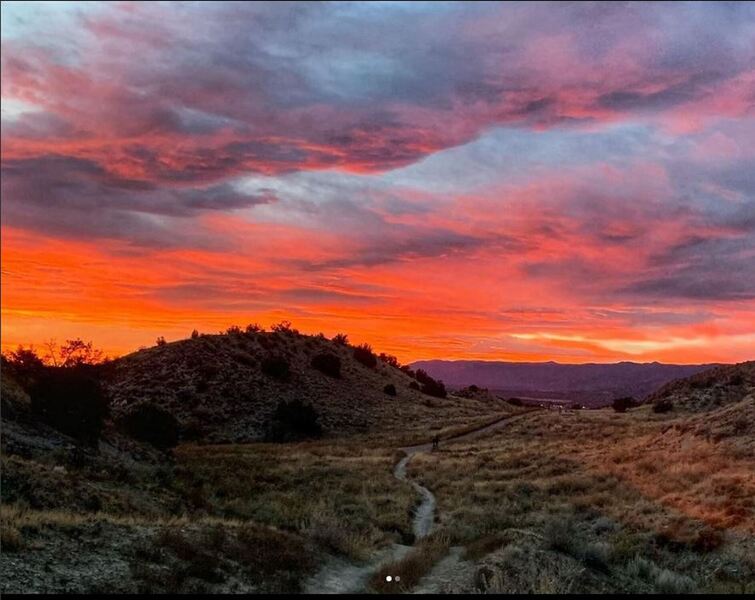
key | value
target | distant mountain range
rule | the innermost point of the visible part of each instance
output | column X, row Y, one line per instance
column 589, row 384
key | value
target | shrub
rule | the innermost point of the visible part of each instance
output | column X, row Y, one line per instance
column 576, row 406
column 365, row 355
column 293, row 421
column 284, row 327
column 233, row 330
column 389, row 359
column 668, row 582
column 327, row 363
column 276, row 367
column 341, row 339
column 430, row 386
column 160, row 341
column 406, row 369
column 560, row 535
column 434, row 388
column 253, row 328
column 70, row 399
column 622, row 404
column 151, row 424
column 390, row 389
column 515, row 401
column 414, row 385
column 194, row 334
column 663, row 405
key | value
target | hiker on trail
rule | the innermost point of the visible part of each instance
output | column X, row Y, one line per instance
column 436, row 442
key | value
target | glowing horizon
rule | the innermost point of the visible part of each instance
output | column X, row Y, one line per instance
column 495, row 181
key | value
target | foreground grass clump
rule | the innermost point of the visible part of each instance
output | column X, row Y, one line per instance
column 410, row 569
column 190, row 559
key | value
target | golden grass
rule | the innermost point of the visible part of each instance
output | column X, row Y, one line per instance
column 342, row 494
column 629, row 482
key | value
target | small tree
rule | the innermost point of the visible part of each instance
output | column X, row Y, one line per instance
column 194, row 334
column 160, row 341
column 73, row 353
column 253, row 328
column 71, row 400
column 25, row 365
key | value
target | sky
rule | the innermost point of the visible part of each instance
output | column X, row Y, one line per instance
column 502, row 181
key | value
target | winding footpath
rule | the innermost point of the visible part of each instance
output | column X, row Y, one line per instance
column 339, row 576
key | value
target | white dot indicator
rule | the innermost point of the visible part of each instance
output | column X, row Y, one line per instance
column 388, row 578
column 398, row 578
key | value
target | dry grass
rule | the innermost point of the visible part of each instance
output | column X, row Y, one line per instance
column 599, row 489
column 341, row 494
column 410, row 569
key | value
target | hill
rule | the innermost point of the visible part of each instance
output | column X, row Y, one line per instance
column 590, row 384
column 710, row 389
column 225, row 388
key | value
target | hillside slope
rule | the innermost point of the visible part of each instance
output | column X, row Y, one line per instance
column 218, row 388
column 711, row 389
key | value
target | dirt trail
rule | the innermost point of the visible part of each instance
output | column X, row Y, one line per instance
column 339, row 576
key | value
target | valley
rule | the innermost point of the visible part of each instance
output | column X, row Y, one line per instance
column 515, row 499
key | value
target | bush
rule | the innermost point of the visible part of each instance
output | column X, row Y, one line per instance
column 623, row 404
column 70, row 399
column 390, row 389
column 293, row 421
column 515, row 401
column 341, row 339
column 414, row 385
column 151, row 424
column 194, row 334
column 365, row 355
column 276, row 367
column 253, row 328
column 160, row 341
column 560, row 535
column 406, row 369
column 430, row 386
column 668, row 582
column 663, row 406
column 327, row 363
column 233, row 330
column 389, row 359
column 284, row 327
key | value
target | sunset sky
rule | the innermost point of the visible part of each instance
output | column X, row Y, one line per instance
column 518, row 181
